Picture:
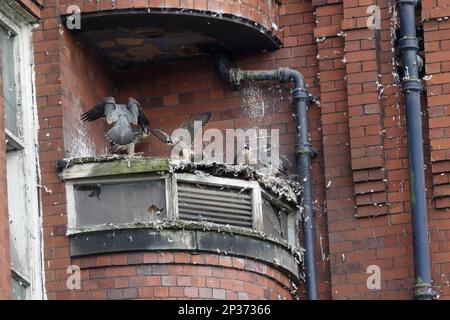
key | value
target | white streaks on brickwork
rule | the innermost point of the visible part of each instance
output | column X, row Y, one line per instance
column 77, row 140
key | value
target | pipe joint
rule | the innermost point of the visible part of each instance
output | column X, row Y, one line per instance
column 406, row 2
column 412, row 85
column 288, row 75
column 284, row 74
column 408, row 43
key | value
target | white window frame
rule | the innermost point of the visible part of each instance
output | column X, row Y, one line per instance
column 25, row 144
column 171, row 193
column 81, row 176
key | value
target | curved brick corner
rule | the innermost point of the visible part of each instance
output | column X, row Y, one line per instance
column 263, row 12
column 173, row 275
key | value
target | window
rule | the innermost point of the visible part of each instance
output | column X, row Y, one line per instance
column 9, row 90
column 102, row 203
column 274, row 219
column 120, row 202
column 21, row 157
column 9, row 80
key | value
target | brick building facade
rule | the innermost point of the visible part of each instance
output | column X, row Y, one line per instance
column 360, row 176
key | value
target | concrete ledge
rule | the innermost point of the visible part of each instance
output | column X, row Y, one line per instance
column 111, row 166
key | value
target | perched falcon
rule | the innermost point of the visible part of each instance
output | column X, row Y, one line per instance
column 122, row 134
column 188, row 125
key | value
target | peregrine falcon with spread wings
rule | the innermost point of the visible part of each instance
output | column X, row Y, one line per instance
column 189, row 125
column 122, row 134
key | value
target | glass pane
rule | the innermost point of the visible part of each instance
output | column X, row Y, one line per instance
column 19, row 289
column 274, row 220
column 9, row 81
column 19, row 229
column 128, row 202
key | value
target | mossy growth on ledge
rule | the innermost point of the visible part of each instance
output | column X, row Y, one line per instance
column 283, row 188
column 88, row 167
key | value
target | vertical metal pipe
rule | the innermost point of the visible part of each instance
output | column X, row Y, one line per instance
column 304, row 153
column 412, row 87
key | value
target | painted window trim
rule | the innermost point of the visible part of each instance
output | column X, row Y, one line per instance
column 70, row 192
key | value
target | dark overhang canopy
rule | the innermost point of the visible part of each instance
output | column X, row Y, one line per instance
column 128, row 38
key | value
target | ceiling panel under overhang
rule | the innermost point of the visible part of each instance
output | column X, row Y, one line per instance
column 130, row 38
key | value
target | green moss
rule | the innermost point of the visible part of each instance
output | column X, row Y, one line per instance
column 129, row 166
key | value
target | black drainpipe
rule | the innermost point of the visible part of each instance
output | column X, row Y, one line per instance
column 412, row 89
column 303, row 150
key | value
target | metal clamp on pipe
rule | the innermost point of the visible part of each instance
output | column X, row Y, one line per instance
column 408, row 43
column 306, row 149
column 413, row 2
column 412, row 84
column 300, row 94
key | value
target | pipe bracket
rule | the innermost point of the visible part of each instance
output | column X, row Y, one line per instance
column 308, row 149
column 424, row 291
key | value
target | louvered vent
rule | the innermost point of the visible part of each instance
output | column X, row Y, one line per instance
column 219, row 204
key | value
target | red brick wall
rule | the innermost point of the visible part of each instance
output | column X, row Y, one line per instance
column 71, row 78
column 48, row 68
column 360, row 167
column 437, row 55
column 172, row 275
column 85, row 80
column 437, row 58
column 75, row 79
column 337, row 164
column 5, row 262
column 365, row 150
column 361, row 180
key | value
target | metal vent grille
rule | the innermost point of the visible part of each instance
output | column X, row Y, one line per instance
column 218, row 204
